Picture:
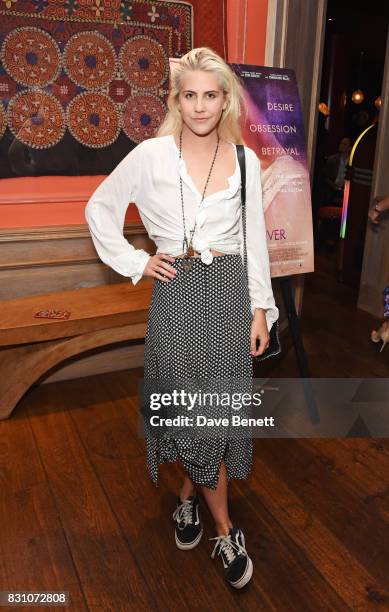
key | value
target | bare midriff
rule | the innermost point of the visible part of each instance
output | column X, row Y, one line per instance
column 197, row 254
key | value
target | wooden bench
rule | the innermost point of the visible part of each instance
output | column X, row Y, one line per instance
column 99, row 316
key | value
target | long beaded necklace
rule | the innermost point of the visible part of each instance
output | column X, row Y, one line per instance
column 187, row 247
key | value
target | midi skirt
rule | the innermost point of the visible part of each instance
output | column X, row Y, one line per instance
column 199, row 329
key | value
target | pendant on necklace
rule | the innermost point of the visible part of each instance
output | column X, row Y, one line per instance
column 187, row 263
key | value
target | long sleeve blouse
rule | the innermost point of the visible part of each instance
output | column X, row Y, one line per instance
column 149, row 176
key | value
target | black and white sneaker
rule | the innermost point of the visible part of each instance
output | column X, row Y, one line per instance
column 238, row 567
column 189, row 528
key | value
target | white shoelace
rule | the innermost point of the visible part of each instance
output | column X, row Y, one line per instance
column 183, row 513
column 228, row 546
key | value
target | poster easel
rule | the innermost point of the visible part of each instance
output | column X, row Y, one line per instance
column 297, row 340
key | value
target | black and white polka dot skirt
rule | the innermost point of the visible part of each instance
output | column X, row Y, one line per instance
column 199, row 328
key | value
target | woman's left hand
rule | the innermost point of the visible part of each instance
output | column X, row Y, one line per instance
column 259, row 332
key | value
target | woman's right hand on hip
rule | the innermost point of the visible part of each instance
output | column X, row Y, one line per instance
column 158, row 268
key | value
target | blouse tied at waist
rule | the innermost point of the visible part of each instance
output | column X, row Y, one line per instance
column 149, row 175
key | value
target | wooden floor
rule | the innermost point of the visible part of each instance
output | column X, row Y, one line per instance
column 78, row 512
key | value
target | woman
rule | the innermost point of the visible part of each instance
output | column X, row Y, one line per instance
column 205, row 319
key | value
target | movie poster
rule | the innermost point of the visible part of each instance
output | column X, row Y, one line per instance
column 274, row 129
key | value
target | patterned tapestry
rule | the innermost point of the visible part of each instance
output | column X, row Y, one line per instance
column 79, row 79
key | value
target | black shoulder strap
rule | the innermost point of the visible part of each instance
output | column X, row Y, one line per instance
column 242, row 164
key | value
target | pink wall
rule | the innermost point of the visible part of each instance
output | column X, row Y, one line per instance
column 246, row 31
column 48, row 200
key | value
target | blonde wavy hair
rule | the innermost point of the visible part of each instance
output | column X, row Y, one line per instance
column 203, row 58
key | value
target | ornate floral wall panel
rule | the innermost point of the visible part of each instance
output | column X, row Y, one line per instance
column 83, row 81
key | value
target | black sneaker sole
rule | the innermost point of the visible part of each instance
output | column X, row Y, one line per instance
column 238, row 584
column 188, row 545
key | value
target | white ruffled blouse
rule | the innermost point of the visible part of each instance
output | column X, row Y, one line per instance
column 149, row 176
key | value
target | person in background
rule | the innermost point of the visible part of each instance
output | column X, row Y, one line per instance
column 334, row 174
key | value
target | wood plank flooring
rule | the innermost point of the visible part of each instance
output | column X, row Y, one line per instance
column 79, row 513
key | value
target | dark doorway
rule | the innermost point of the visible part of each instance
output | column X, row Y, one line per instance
column 352, row 72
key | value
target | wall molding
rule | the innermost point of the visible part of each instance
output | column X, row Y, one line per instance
column 20, row 234
column 375, row 266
